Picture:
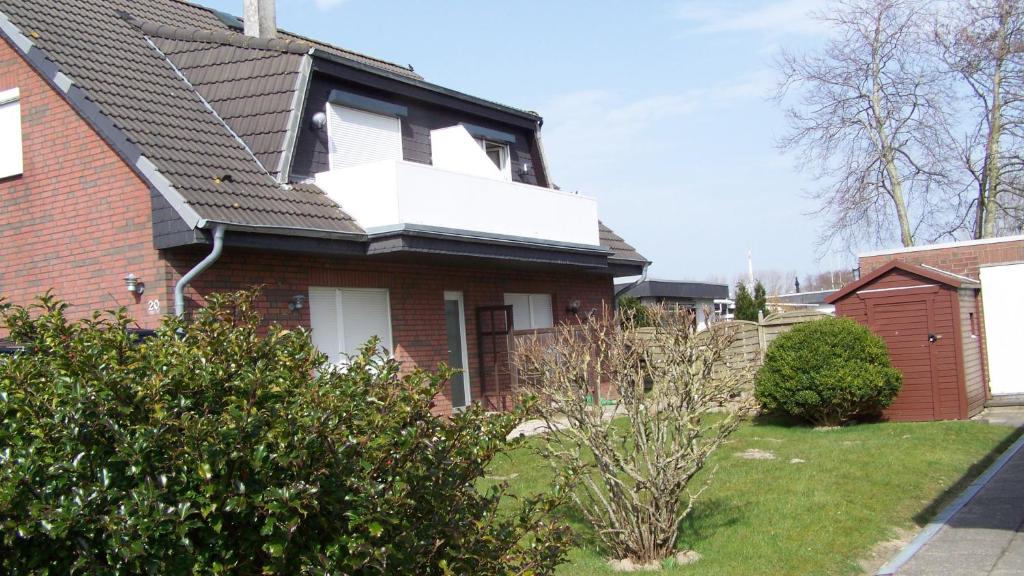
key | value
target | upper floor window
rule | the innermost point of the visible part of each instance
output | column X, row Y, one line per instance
column 10, row 133
column 498, row 153
column 359, row 137
column 361, row 129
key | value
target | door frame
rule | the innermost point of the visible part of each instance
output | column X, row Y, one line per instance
column 455, row 295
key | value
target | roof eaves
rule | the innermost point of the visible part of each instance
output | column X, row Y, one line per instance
column 419, row 83
column 92, row 114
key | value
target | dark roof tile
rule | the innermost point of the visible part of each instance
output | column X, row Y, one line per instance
column 620, row 249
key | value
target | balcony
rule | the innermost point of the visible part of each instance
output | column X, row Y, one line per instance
column 388, row 194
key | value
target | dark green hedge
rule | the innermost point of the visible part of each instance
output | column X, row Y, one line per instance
column 826, row 372
column 211, row 448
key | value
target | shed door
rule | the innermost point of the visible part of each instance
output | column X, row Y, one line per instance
column 904, row 327
column 1004, row 326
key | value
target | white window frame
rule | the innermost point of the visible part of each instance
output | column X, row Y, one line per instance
column 531, row 312
column 12, row 157
column 506, row 159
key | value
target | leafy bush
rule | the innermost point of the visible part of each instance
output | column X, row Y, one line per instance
column 231, row 449
column 826, row 372
column 635, row 312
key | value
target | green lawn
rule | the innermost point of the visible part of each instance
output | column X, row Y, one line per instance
column 856, row 486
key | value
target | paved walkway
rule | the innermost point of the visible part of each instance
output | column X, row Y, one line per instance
column 984, row 537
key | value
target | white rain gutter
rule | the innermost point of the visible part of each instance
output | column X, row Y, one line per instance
column 179, row 288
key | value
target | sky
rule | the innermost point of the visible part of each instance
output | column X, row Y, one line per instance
column 660, row 109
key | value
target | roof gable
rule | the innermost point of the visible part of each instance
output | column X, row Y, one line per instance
column 933, row 274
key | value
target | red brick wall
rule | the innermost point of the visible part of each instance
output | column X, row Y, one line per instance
column 78, row 219
column 963, row 260
column 416, row 293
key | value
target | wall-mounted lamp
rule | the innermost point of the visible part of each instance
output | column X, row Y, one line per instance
column 319, row 121
column 134, row 285
column 574, row 306
column 524, row 168
column 297, row 302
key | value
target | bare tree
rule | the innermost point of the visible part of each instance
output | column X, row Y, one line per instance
column 634, row 463
column 982, row 44
column 871, row 107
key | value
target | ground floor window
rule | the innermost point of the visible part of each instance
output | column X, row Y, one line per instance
column 530, row 311
column 343, row 319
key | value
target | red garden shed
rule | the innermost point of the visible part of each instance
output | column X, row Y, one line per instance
column 929, row 320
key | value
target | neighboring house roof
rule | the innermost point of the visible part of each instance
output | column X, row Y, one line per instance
column 204, row 114
column 930, row 273
column 677, row 289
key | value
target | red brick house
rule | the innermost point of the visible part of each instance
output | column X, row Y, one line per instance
column 159, row 139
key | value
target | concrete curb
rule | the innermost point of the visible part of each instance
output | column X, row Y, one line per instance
column 933, row 527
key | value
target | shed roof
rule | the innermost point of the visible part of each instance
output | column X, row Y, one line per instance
column 933, row 274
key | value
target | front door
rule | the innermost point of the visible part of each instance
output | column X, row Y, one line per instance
column 455, row 327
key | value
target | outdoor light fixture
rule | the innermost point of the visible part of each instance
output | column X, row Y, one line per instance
column 574, row 306
column 134, row 285
column 319, row 121
column 297, row 302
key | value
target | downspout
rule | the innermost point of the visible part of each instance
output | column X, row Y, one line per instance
column 630, row 286
column 179, row 288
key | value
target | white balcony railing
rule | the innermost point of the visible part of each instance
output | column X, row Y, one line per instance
column 386, row 194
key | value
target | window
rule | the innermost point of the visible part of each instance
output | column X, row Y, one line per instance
column 498, row 153
column 10, row 133
column 530, row 311
column 342, row 320
column 359, row 137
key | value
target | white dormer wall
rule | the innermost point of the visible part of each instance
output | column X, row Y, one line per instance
column 454, row 149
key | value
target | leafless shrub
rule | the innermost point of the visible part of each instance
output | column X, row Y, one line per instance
column 633, row 463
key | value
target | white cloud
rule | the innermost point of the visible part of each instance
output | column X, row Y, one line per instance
column 773, row 17
column 589, row 130
column 328, row 4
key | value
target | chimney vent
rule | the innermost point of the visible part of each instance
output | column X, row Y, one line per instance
column 260, row 19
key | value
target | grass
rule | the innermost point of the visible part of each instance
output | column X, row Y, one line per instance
column 856, row 487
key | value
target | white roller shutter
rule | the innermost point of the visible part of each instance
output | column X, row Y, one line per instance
column 10, row 133
column 342, row 320
column 364, row 314
column 323, row 320
column 357, row 137
column 530, row 311
column 540, row 311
